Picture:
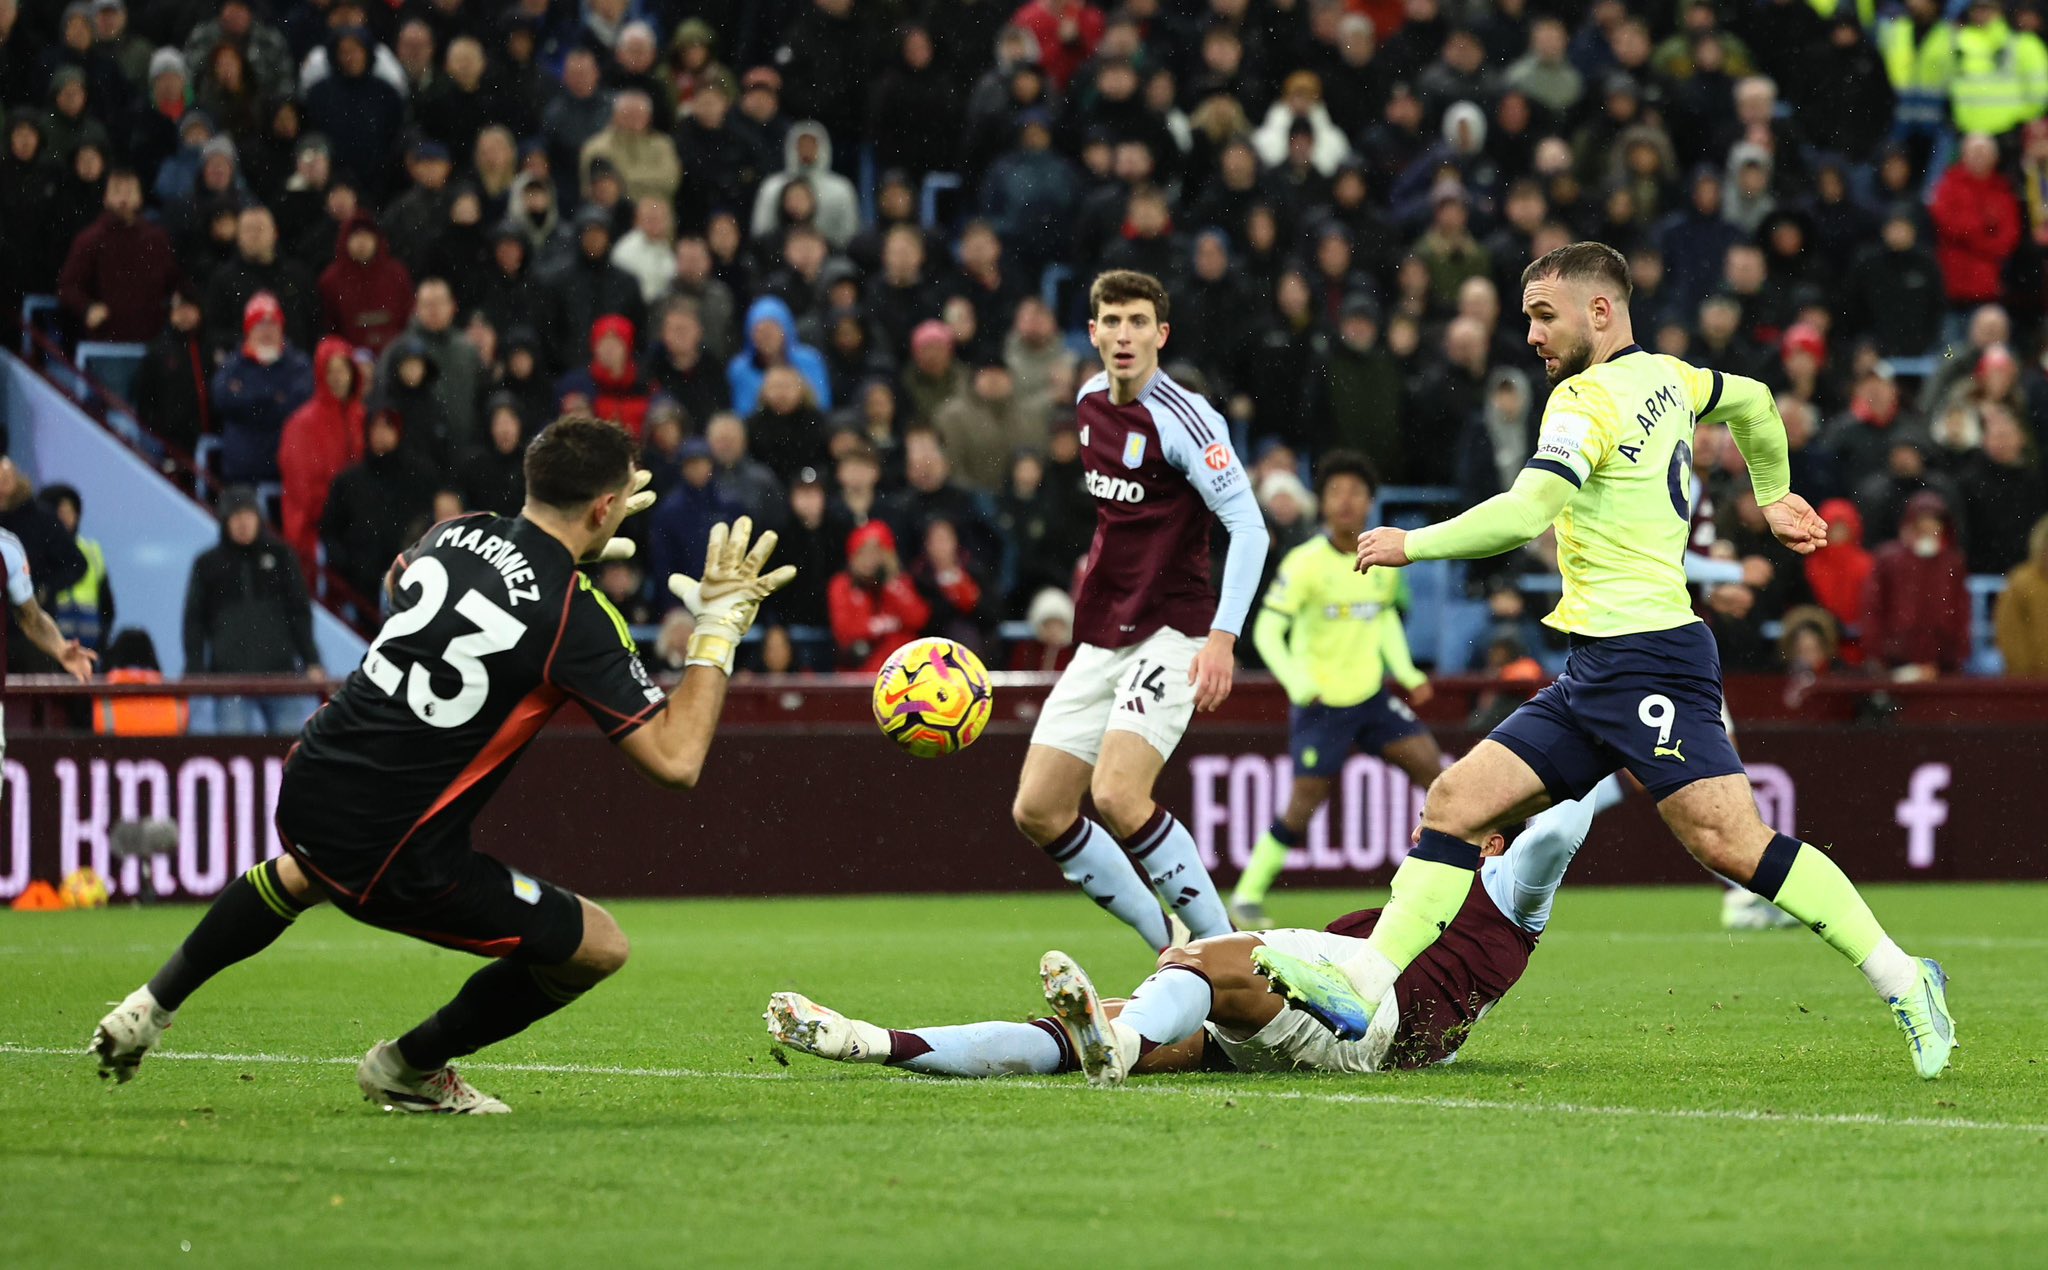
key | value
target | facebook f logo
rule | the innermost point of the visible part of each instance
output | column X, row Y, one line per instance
column 1923, row 811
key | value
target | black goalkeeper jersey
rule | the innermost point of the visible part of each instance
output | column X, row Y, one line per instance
column 492, row 628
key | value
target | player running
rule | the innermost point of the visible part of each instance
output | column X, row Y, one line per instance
column 1642, row 687
column 1155, row 643
column 492, row 628
column 1206, row 1009
column 1331, row 635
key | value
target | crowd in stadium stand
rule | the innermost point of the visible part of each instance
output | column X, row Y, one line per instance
column 372, row 246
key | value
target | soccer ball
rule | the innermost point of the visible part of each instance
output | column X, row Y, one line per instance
column 84, row 888
column 932, row 697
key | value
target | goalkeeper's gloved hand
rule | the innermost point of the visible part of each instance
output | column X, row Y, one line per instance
column 726, row 599
column 638, row 499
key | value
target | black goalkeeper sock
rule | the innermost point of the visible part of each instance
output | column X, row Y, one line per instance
column 503, row 999
column 246, row 919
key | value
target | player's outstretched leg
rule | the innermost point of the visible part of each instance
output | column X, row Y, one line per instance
column 1489, row 786
column 1039, row 1048
column 1717, row 820
column 1523, row 882
column 243, row 920
column 503, row 999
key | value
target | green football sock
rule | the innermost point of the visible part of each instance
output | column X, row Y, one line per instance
column 1428, row 890
column 1807, row 884
column 1268, row 858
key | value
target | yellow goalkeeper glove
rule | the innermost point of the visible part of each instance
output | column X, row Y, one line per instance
column 726, row 599
column 638, row 499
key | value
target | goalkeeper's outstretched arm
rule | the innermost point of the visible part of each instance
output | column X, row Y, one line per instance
column 670, row 749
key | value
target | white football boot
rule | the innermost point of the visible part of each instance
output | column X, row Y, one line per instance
column 385, row 1080
column 802, row 1024
column 127, row 1034
column 1746, row 910
column 1106, row 1048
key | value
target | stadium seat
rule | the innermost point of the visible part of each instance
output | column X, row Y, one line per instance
column 1428, row 584
column 110, row 371
column 935, row 184
column 1413, row 506
column 38, row 313
column 1460, row 629
column 1985, row 658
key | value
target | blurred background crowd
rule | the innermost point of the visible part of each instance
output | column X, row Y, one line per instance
column 827, row 260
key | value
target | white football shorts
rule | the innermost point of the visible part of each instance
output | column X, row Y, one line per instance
column 1142, row 689
column 1293, row 1041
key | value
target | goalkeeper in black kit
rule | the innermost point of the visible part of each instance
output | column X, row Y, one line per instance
column 492, row 628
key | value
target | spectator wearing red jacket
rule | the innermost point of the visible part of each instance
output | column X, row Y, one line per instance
column 1067, row 32
column 366, row 294
column 1976, row 225
column 875, row 606
column 1916, row 607
column 1839, row 573
column 119, row 274
column 611, row 387
column 321, row 440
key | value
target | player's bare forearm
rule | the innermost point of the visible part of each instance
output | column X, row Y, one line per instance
column 679, row 738
column 1213, row 670
column 42, row 631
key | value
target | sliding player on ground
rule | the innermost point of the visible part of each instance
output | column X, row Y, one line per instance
column 1332, row 635
column 1206, row 1009
column 1642, row 687
column 492, row 628
column 1156, row 643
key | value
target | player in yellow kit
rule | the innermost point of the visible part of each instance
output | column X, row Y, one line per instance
column 1642, row 686
column 1332, row 635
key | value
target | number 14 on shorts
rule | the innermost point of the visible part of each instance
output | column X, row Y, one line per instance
column 1147, row 677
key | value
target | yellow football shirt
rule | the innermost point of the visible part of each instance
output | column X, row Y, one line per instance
column 1621, row 431
column 1344, row 634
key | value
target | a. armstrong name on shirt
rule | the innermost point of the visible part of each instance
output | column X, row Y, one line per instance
column 1652, row 414
column 500, row 554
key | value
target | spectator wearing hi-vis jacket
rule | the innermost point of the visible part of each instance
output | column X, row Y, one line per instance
column 131, row 659
column 875, row 606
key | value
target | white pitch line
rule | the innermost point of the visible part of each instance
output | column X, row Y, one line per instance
column 1853, row 1120
column 1759, row 939
column 552, row 1069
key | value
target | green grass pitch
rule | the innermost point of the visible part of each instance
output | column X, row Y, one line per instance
column 1655, row 1092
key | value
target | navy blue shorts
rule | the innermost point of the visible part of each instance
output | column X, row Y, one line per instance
column 1650, row 703
column 1322, row 737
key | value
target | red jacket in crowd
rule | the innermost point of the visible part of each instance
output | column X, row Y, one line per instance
column 1067, row 32
column 622, row 397
column 1976, row 230
column 130, row 267
column 1839, row 573
column 365, row 302
column 1916, row 608
column 872, row 619
column 320, row 440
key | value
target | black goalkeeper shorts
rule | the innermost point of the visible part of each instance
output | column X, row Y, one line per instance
column 477, row 904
